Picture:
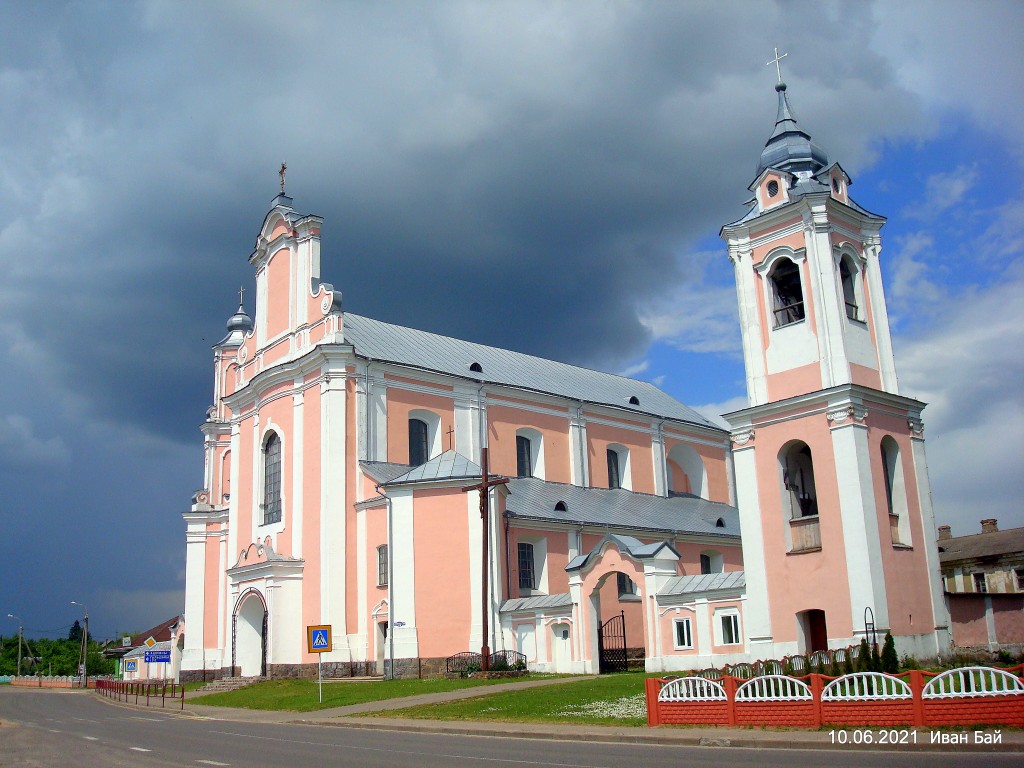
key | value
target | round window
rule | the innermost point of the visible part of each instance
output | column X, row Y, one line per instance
column 773, row 188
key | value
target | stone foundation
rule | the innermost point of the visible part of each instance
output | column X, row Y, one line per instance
column 199, row 676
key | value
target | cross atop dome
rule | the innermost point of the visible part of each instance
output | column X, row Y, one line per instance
column 776, row 61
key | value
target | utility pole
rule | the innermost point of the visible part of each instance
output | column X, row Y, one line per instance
column 21, row 633
column 84, row 655
column 484, row 487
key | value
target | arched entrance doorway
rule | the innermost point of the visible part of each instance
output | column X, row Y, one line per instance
column 249, row 636
column 813, row 630
column 618, row 620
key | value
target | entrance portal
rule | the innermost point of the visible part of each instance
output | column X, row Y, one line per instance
column 611, row 645
column 250, row 637
column 815, row 633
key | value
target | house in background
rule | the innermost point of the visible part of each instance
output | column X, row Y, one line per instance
column 983, row 575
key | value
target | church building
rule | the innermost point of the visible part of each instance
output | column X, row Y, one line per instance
column 341, row 451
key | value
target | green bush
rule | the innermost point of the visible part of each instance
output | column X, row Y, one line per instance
column 890, row 661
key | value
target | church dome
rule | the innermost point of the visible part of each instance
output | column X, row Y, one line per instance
column 239, row 321
column 790, row 148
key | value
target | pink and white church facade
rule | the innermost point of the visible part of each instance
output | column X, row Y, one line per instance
column 338, row 448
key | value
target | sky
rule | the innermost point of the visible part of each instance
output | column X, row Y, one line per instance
column 548, row 177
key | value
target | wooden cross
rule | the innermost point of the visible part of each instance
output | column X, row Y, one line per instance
column 774, row 61
column 484, row 487
column 284, row 167
column 450, row 432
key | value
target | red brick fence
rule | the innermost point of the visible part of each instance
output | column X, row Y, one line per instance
column 965, row 696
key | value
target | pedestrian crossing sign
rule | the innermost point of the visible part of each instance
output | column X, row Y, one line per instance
column 130, row 665
column 318, row 638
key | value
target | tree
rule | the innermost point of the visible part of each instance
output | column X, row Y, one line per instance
column 890, row 661
column 76, row 632
column 864, row 656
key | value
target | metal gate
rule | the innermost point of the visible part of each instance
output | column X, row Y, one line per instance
column 611, row 645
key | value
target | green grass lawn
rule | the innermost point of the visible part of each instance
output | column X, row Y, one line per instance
column 604, row 700
column 302, row 695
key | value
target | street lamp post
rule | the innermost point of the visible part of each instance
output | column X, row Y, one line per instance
column 84, row 656
column 21, row 634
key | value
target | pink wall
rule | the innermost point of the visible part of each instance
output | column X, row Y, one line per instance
column 278, row 292
column 714, row 464
column 600, row 436
column 400, row 402
column 443, row 614
column 503, row 421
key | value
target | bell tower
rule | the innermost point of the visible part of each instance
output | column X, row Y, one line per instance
column 831, row 475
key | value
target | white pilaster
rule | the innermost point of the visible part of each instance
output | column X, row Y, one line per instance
column 861, row 540
column 757, row 610
column 750, row 323
column 403, row 553
column 332, row 506
column 298, row 471
column 924, row 495
column 880, row 316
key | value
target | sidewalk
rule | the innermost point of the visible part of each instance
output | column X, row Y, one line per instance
column 1010, row 741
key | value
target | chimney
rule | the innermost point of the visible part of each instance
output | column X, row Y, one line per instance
column 988, row 525
column 945, row 533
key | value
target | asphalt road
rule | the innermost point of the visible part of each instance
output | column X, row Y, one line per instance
column 44, row 729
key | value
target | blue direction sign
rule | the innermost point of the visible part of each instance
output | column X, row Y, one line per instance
column 318, row 638
column 131, row 665
column 158, row 657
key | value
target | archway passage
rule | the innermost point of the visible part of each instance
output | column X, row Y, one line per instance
column 618, row 637
column 250, row 641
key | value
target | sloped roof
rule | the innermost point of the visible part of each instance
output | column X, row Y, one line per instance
column 163, row 645
column 534, row 499
column 384, row 472
column 627, row 545
column 539, row 601
column 704, row 582
column 982, row 545
column 444, row 354
column 449, row 465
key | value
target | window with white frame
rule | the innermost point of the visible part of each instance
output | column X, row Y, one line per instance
column 1019, row 573
column 980, row 585
column 272, row 479
column 419, row 449
column 787, row 293
column 527, row 572
column 683, row 633
column 524, row 456
column 729, row 627
column 382, row 565
column 618, row 466
column 848, row 277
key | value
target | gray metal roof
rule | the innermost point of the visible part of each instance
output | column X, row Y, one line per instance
column 562, row 600
column 790, row 148
column 627, row 545
column 534, row 499
column 444, row 354
column 449, row 465
column 384, row 472
column 705, row 582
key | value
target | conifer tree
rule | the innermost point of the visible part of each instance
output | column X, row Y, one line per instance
column 864, row 657
column 890, row 661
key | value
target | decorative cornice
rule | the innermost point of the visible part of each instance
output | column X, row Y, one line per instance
column 916, row 427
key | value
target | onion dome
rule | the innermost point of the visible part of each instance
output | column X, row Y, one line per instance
column 239, row 321
column 790, row 148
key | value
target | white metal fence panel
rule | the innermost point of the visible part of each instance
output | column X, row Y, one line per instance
column 774, row 688
column 692, row 689
column 972, row 681
column 865, row 686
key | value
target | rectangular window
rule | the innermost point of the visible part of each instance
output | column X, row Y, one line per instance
column 524, row 457
column 1020, row 579
column 626, row 585
column 382, row 565
column 526, row 568
column 614, row 478
column 730, row 629
column 979, row 583
column 684, row 635
column 272, row 480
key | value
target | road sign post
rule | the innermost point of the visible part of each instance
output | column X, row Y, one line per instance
column 318, row 641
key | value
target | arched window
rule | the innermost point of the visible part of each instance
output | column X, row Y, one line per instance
column 419, row 447
column 847, row 276
column 787, row 293
column 895, row 491
column 799, row 498
column 686, row 471
column 529, row 453
column 272, row 479
column 711, row 562
column 614, row 470
column 524, row 456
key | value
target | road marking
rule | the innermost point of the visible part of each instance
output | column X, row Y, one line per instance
column 148, row 719
column 140, row 749
column 53, row 730
column 90, row 738
column 420, row 753
column 211, row 762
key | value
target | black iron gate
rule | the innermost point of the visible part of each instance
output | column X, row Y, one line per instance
column 611, row 645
